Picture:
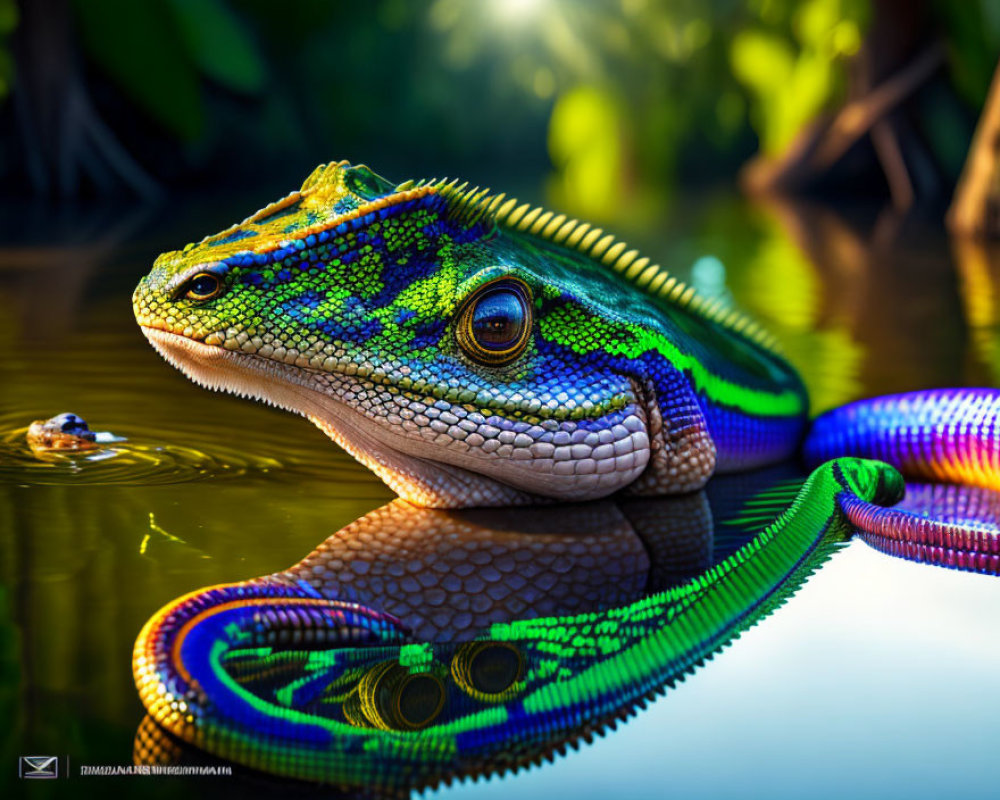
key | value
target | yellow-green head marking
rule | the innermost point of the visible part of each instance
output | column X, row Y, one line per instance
column 469, row 350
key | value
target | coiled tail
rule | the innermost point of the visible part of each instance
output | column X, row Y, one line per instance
column 947, row 436
column 177, row 660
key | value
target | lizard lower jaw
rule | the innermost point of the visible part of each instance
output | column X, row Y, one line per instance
column 419, row 470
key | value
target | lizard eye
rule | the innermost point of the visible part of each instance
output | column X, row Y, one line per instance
column 203, row 286
column 494, row 325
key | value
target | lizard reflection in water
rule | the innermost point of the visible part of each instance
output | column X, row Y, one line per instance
column 449, row 575
column 383, row 659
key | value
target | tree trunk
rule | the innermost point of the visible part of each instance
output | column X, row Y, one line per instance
column 975, row 210
column 901, row 53
column 66, row 147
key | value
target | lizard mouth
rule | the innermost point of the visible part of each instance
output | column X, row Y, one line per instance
column 423, row 464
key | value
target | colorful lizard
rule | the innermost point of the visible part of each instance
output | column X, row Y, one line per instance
column 472, row 351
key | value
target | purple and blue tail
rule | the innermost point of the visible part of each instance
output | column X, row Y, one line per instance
column 949, row 437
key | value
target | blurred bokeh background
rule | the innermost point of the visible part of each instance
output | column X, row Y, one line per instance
column 618, row 104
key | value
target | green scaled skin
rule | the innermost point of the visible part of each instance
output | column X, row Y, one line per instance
column 471, row 351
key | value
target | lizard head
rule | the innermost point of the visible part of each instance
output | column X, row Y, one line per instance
column 464, row 361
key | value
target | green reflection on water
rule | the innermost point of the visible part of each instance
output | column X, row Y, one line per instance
column 244, row 488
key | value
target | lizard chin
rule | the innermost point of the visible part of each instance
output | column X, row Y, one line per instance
column 411, row 467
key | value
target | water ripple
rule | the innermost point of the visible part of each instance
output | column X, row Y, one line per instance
column 143, row 459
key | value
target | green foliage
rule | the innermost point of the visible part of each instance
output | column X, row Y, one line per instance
column 790, row 59
column 631, row 96
column 974, row 44
column 139, row 46
column 219, row 45
column 158, row 52
column 585, row 144
column 631, row 85
column 8, row 22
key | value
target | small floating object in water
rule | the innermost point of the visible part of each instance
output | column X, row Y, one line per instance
column 66, row 433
